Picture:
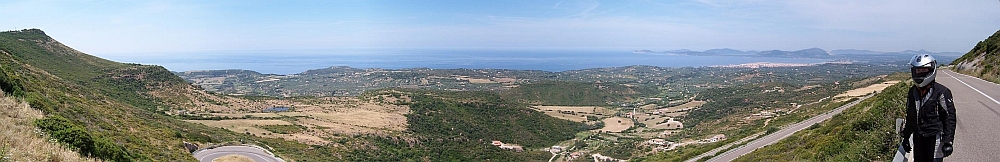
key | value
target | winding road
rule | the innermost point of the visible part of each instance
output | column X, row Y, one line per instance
column 977, row 134
column 255, row 153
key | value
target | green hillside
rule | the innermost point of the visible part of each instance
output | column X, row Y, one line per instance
column 459, row 126
column 983, row 60
column 99, row 107
column 860, row 133
column 574, row 93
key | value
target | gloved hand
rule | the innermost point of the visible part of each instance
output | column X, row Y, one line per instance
column 906, row 145
column 947, row 149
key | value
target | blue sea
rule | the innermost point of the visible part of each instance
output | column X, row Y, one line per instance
column 291, row 62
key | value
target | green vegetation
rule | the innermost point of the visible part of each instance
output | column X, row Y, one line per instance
column 983, row 60
column 459, row 126
column 723, row 102
column 505, row 121
column 101, row 108
column 284, row 129
column 79, row 138
column 861, row 133
column 574, row 93
column 20, row 139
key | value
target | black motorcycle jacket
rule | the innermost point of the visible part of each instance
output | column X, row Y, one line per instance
column 935, row 114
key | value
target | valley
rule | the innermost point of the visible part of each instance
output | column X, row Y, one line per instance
column 636, row 112
column 348, row 114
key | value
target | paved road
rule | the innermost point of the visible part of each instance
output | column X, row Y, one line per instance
column 977, row 137
column 716, row 150
column 781, row 134
column 257, row 154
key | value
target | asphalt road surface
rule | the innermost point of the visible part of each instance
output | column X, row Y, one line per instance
column 781, row 134
column 716, row 150
column 254, row 153
column 977, row 136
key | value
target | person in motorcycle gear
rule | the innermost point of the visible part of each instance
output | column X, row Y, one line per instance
column 930, row 113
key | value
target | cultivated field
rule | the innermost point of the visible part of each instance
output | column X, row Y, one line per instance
column 616, row 124
column 575, row 113
column 653, row 120
column 681, row 108
column 863, row 91
column 570, row 117
column 648, row 107
column 321, row 117
column 242, row 125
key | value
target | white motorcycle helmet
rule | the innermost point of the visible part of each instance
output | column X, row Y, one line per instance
column 923, row 68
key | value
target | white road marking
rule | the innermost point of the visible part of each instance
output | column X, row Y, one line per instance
column 974, row 88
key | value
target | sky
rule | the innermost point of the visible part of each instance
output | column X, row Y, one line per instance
column 110, row 28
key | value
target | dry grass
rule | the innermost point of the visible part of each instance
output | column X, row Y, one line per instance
column 322, row 117
column 252, row 126
column 570, row 117
column 648, row 107
column 616, row 124
column 683, row 107
column 652, row 121
column 581, row 112
column 364, row 118
column 240, row 122
column 233, row 158
column 588, row 110
column 242, row 125
column 865, row 90
column 20, row 140
column 239, row 115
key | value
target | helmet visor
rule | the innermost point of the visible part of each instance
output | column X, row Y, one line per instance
column 920, row 72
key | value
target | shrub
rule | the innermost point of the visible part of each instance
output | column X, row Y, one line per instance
column 78, row 138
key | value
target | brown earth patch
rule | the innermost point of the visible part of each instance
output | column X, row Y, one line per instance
column 616, row 124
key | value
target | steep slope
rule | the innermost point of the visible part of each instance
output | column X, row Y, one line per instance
column 860, row 133
column 19, row 140
column 99, row 107
column 982, row 61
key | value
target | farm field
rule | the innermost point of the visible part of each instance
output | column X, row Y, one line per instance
column 575, row 113
column 320, row 118
column 616, row 124
column 866, row 90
